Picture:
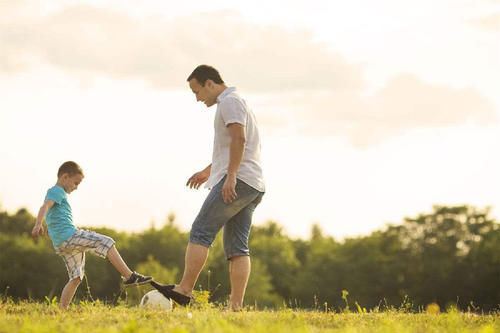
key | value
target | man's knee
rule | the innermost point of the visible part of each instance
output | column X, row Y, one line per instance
column 232, row 252
column 240, row 256
column 201, row 237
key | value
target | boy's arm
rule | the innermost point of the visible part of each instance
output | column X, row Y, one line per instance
column 38, row 228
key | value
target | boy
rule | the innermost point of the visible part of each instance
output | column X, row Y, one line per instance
column 71, row 243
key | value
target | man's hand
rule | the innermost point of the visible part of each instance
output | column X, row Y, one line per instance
column 236, row 150
column 197, row 179
column 37, row 231
column 229, row 189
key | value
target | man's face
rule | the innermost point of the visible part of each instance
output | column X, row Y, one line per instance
column 70, row 183
column 205, row 93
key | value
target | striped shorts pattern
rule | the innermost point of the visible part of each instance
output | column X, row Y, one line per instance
column 73, row 250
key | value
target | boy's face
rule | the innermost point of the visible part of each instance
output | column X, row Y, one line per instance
column 205, row 93
column 71, row 182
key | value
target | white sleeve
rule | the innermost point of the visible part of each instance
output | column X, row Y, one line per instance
column 233, row 111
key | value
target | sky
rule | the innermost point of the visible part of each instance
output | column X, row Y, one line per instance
column 369, row 111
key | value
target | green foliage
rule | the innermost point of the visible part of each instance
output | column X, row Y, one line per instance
column 260, row 292
column 276, row 252
column 51, row 302
column 97, row 317
column 20, row 223
column 439, row 246
column 450, row 256
column 202, row 300
column 30, row 269
column 153, row 268
column 345, row 293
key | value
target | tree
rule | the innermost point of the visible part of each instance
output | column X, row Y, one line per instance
column 18, row 224
column 439, row 243
column 276, row 252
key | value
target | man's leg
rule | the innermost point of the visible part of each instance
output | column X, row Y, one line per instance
column 213, row 214
column 235, row 239
column 196, row 256
column 239, row 271
column 68, row 293
column 116, row 260
column 212, row 217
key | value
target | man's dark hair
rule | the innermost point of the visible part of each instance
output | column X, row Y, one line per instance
column 203, row 73
column 70, row 168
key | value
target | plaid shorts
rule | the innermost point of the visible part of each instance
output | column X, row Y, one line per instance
column 73, row 250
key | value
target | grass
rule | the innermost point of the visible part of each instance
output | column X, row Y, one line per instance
column 97, row 317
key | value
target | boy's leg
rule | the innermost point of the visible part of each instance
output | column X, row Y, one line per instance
column 104, row 247
column 68, row 293
column 116, row 260
column 131, row 278
column 74, row 260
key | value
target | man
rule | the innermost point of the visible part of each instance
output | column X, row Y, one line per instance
column 236, row 188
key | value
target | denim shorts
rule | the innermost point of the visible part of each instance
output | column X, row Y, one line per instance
column 235, row 217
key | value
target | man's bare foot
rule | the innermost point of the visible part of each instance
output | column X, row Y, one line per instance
column 182, row 291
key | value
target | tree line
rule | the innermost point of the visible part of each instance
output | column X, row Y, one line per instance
column 450, row 256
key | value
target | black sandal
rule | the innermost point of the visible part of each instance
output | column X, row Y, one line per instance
column 167, row 290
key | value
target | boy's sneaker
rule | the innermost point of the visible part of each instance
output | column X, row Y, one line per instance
column 137, row 279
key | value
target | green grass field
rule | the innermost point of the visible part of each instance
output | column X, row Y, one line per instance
column 96, row 317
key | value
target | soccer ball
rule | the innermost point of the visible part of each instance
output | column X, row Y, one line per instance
column 154, row 299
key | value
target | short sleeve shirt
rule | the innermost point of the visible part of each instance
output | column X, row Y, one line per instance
column 59, row 218
column 231, row 108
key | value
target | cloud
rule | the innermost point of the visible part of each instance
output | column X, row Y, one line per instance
column 488, row 23
column 9, row 8
column 164, row 52
column 14, row 57
column 303, row 84
column 405, row 103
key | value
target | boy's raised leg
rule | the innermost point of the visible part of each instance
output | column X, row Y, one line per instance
column 116, row 260
column 68, row 293
column 131, row 278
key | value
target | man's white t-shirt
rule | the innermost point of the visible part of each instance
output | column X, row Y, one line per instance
column 231, row 108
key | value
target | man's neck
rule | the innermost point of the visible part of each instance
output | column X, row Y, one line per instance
column 222, row 88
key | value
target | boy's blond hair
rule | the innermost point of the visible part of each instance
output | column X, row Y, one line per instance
column 70, row 168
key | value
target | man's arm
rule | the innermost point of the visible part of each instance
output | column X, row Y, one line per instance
column 38, row 228
column 199, row 178
column 236, row 150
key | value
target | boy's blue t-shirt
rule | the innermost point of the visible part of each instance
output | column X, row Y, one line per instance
column 59, row 218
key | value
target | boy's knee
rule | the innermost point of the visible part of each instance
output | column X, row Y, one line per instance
column 110, row 250
column 76, row 280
